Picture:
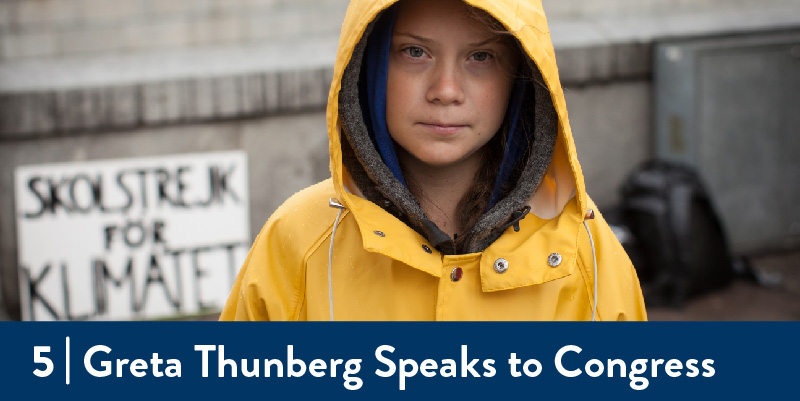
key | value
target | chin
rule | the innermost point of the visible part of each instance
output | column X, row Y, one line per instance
column 438, row 161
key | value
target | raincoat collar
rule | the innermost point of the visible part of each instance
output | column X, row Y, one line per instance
column 531, row 246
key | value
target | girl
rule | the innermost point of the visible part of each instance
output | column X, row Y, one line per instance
column 455, row 194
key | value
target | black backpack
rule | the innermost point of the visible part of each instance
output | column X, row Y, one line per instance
column 678, row 244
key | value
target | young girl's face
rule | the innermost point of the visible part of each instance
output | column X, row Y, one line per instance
column 449, row 81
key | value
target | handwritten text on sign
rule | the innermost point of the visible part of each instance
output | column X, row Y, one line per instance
column 133, row 238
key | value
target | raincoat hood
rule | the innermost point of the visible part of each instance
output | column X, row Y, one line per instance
column 361, row 169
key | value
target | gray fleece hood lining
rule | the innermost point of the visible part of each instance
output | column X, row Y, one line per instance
column 365, row 165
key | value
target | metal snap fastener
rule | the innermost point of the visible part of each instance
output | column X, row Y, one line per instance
column 426, row 248
column 456, row 274
column 500, row 265
column 379, row 233
column 554, row 259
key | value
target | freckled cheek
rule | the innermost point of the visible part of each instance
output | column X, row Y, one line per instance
column 398, row 86
column 494, row 101
column 394, row 99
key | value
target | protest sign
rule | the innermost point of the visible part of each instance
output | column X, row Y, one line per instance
column 131, row 239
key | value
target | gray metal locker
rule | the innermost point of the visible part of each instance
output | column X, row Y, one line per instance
column 730, row 106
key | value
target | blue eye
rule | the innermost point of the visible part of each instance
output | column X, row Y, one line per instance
column 481, row 56
column 415, row 52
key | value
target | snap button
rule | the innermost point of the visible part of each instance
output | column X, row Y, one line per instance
column 379, row 233
column 426, row 248
column 456, row 274
column 554, row 259
column 500, row 265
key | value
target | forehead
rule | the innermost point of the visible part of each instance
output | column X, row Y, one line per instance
column 442, row 18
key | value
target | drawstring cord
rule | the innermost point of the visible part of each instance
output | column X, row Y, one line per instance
column 335, row 204
column 594, row 259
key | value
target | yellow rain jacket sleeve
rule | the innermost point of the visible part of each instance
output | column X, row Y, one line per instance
column 378, row 268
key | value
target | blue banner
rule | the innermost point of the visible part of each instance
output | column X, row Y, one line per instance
column 142, row 360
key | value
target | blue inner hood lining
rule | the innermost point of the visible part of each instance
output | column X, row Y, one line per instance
column 377, row 70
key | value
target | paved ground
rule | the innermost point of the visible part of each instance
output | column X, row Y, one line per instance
column 746, row 300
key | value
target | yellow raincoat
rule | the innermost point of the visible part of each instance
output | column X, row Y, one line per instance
column 380, row 269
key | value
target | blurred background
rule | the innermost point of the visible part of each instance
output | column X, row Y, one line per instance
column 108, row 108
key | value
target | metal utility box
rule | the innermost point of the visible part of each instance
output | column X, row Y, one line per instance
column 730, row 106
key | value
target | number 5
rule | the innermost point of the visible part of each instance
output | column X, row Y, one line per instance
column 38, row 358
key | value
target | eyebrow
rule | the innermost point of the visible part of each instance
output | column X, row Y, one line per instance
column 416, row 37
column 493, row 38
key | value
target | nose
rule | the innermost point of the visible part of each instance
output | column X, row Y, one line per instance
column 446, row 85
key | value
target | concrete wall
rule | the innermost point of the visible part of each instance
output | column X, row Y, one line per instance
column 575, row 8
column 52, row 28
column 611, row 137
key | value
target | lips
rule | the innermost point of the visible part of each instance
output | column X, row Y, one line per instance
column 442, row 127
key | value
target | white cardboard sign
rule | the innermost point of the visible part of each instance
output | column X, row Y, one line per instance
column 131, row 238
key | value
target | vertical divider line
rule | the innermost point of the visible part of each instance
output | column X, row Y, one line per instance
column 67, row 370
